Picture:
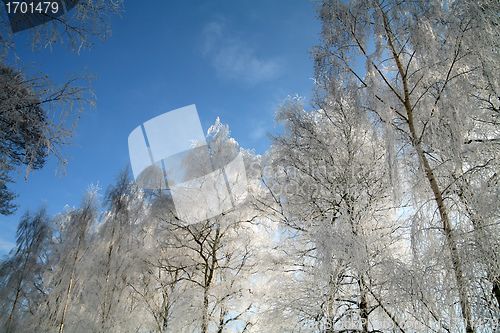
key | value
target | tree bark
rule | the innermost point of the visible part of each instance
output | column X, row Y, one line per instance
column 443, row 211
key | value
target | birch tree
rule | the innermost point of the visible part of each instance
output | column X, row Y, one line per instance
column 431, row 76
column 115, row 246
column 110, row 259
column 332, row 195
column 62, row 283
column 201, row 272
column 21, row 270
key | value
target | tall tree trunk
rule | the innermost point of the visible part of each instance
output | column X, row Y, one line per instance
column 222, row 314
column 209, row 275
column 204, row 319
column 443, row 211
column 13, row 308
column 363, row 306
column 18, row 291
column 105, row 308
column 70, row 285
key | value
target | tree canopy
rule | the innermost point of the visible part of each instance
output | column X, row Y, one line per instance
column 375, row 210
column 34, row 111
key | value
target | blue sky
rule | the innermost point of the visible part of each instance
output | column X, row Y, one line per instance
column 236, row 60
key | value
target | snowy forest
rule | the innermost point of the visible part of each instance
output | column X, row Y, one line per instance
column 376, row 208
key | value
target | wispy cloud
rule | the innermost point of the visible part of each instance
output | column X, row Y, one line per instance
column 234, row 59
column 258, row 132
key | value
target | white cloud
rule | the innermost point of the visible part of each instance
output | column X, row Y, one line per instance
column 212, row 34
column 258, row 131
column 233, row 59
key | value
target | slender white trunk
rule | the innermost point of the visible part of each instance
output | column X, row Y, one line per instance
column 443, row 211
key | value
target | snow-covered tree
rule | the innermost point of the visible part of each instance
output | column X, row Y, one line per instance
column 330, row 189
column 431, row 76
column 198, row 277
column 35, row 113
column 125, row 204
column 21, row 270
column 35, row 123
column 113, row 256
column 63, row 283
column 80, row 24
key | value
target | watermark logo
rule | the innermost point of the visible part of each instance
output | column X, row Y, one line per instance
column 170, row 152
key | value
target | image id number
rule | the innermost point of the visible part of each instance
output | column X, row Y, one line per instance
column 14, row 7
